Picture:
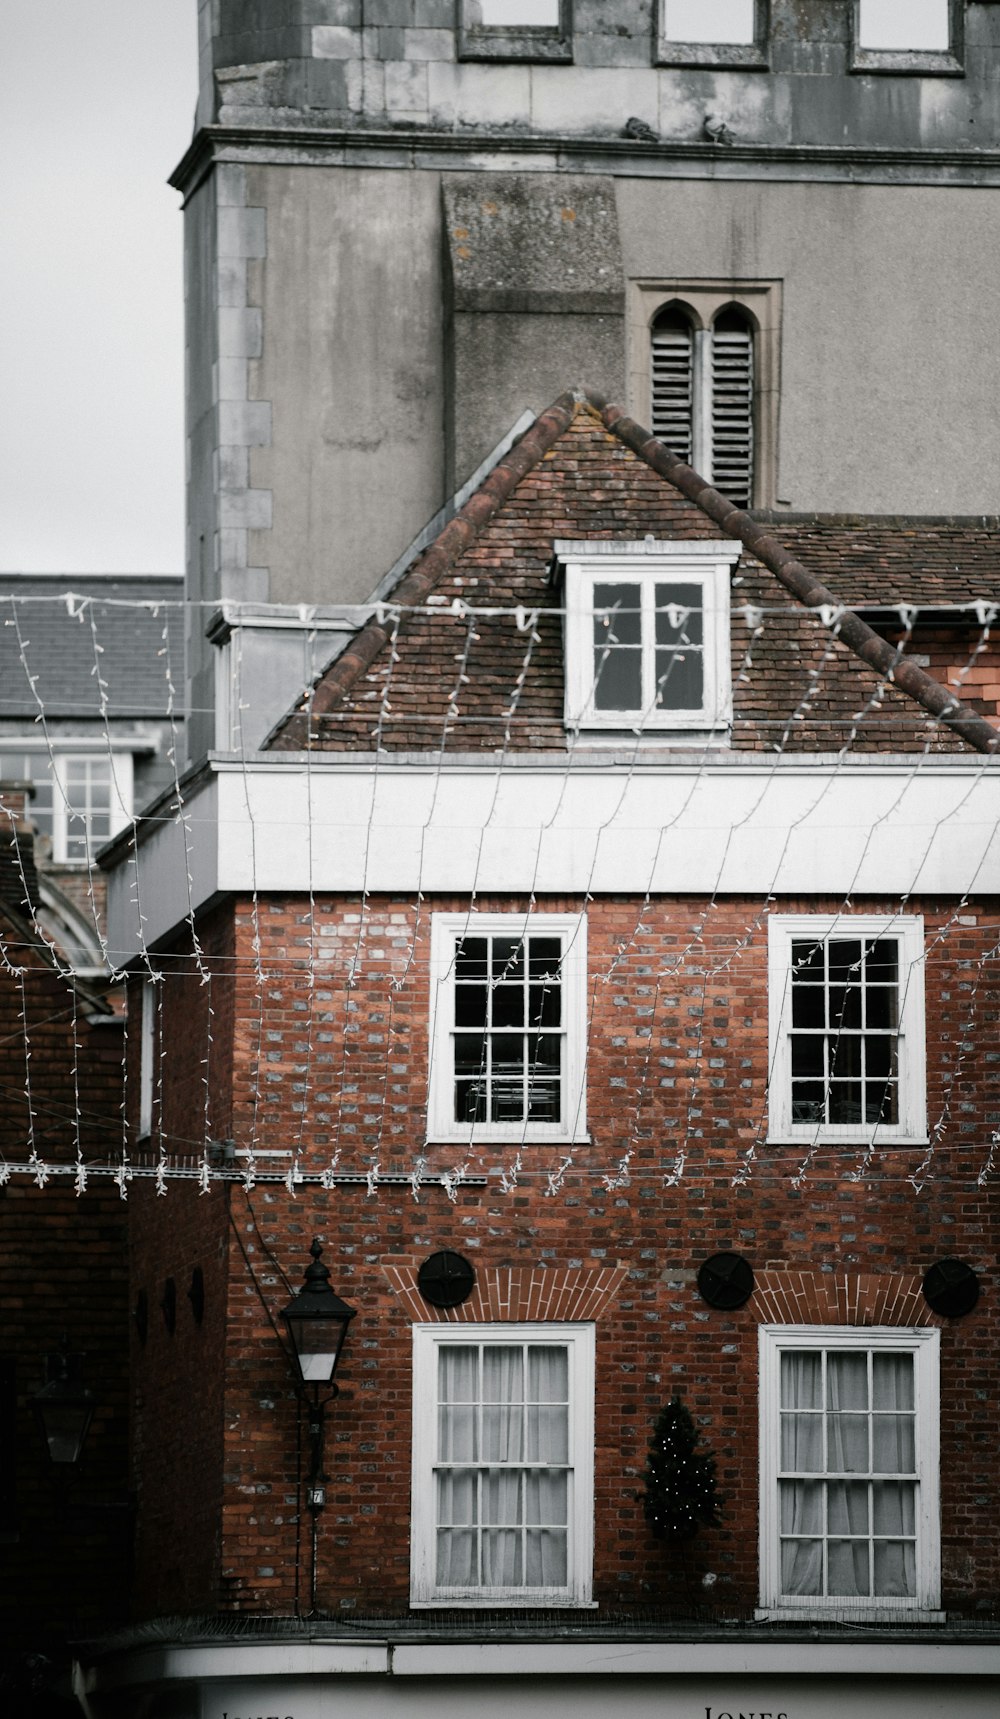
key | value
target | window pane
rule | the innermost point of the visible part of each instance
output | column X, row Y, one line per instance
column 617, row 615
column 684, row 625
column 618, row 680
column 848, row 1568
column 892, row 1381
column 894, row 1507
column 471, row 958
column 919, row 25
column 513, row 14
column 714, row 21
column 801, row 1379
column 808, row 1004
column 895, row 1568
column 847, row 1508
column 847, row 1381
column 801, row 1507
column 892, row 1444
column 508, row 1006
column 680, row 679
column 470, row 1005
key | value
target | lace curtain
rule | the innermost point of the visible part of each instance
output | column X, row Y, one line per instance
column 502, row 1478
column 855, row 1421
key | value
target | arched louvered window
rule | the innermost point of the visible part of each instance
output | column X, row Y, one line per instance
column 703, row 393
column 732, row 406
column 673, row 382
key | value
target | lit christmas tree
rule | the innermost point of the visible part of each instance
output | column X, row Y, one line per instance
column 680, row 1483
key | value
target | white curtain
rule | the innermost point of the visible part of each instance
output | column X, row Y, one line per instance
column 502, row 1488
column 856, row 1519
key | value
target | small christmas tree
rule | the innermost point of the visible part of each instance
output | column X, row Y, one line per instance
column 680, row 1483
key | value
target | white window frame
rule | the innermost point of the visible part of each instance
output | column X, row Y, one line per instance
column 648, row 563
column 428, row 1340
column 120, row 799
column 446, row 930
column 908, row 929
column 923, row 1344
column 147, row 1052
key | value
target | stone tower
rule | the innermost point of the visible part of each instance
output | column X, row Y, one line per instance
column 409, row 221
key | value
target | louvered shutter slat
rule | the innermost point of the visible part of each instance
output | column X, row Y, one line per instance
column 732, row 414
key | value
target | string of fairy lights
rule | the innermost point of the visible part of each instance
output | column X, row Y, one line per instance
column 340, row 1132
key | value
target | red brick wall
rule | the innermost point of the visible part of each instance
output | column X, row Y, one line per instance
column 310, row 1070
column 178, row 1378
column 64, row 1548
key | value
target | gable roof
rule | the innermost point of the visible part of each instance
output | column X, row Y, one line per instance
column 810, row 681
column 46, row 636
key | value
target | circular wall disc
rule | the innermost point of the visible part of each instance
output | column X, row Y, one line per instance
column 445, row 1279
column 951, row 1288
column 726, row 1280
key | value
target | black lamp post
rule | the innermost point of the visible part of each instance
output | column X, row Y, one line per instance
column 64, row 1408
column 317, row 1322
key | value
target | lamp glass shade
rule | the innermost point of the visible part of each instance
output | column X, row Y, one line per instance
column 318, row 1342
column 64, row 1414
column 317, row 1322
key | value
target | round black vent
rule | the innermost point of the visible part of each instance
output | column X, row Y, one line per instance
column 445, row 1279
column 726, row 1280
column 951, row 1288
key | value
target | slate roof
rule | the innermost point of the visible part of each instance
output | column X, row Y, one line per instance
column 583, row 471
column 59, row 648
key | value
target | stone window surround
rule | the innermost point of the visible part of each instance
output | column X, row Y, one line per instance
column 703, row 299
column 506, row 42
column 740, row 56
column 911, row 62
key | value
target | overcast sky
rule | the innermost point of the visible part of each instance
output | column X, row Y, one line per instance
column 97, row 109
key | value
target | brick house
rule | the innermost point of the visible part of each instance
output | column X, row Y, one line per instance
column 63, row 1290
column 617, row 913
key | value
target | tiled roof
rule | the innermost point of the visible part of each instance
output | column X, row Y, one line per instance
column 58, row 647
column 582, row 471
column 884, row 560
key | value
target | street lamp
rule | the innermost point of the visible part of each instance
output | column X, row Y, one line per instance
column 64, row 1407
column 317, row 1322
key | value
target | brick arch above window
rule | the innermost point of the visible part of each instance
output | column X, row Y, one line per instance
column 514, row 1294
column 841, row 1298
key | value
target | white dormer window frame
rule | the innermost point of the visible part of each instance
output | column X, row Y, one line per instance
column 673, row 599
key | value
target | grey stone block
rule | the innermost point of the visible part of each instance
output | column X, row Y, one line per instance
column 229, row 379
column 231, row 283
column 335, row 42
column 490, row 96
column 245, row 423
column 591, row 100
column 405, row 88
column 239, row 333
column 434, row 14
column 334, row 85
column 389, row 12
column 230, row 468
column 242, row 232
column 246, row 508
column 230, row 549
column 349, row 12
column 532, row 242
column 230, row 184
column 428, row 45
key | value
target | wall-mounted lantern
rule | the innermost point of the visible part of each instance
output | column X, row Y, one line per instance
column 63, row 1408
column 317, row 1322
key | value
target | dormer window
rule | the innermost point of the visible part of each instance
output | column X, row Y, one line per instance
column 647, row 635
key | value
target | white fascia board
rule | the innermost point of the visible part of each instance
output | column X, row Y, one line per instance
column 761, row 829
column 208, row 1663
column 630, row 1658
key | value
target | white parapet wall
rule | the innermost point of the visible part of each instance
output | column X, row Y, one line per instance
column 888, row 828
